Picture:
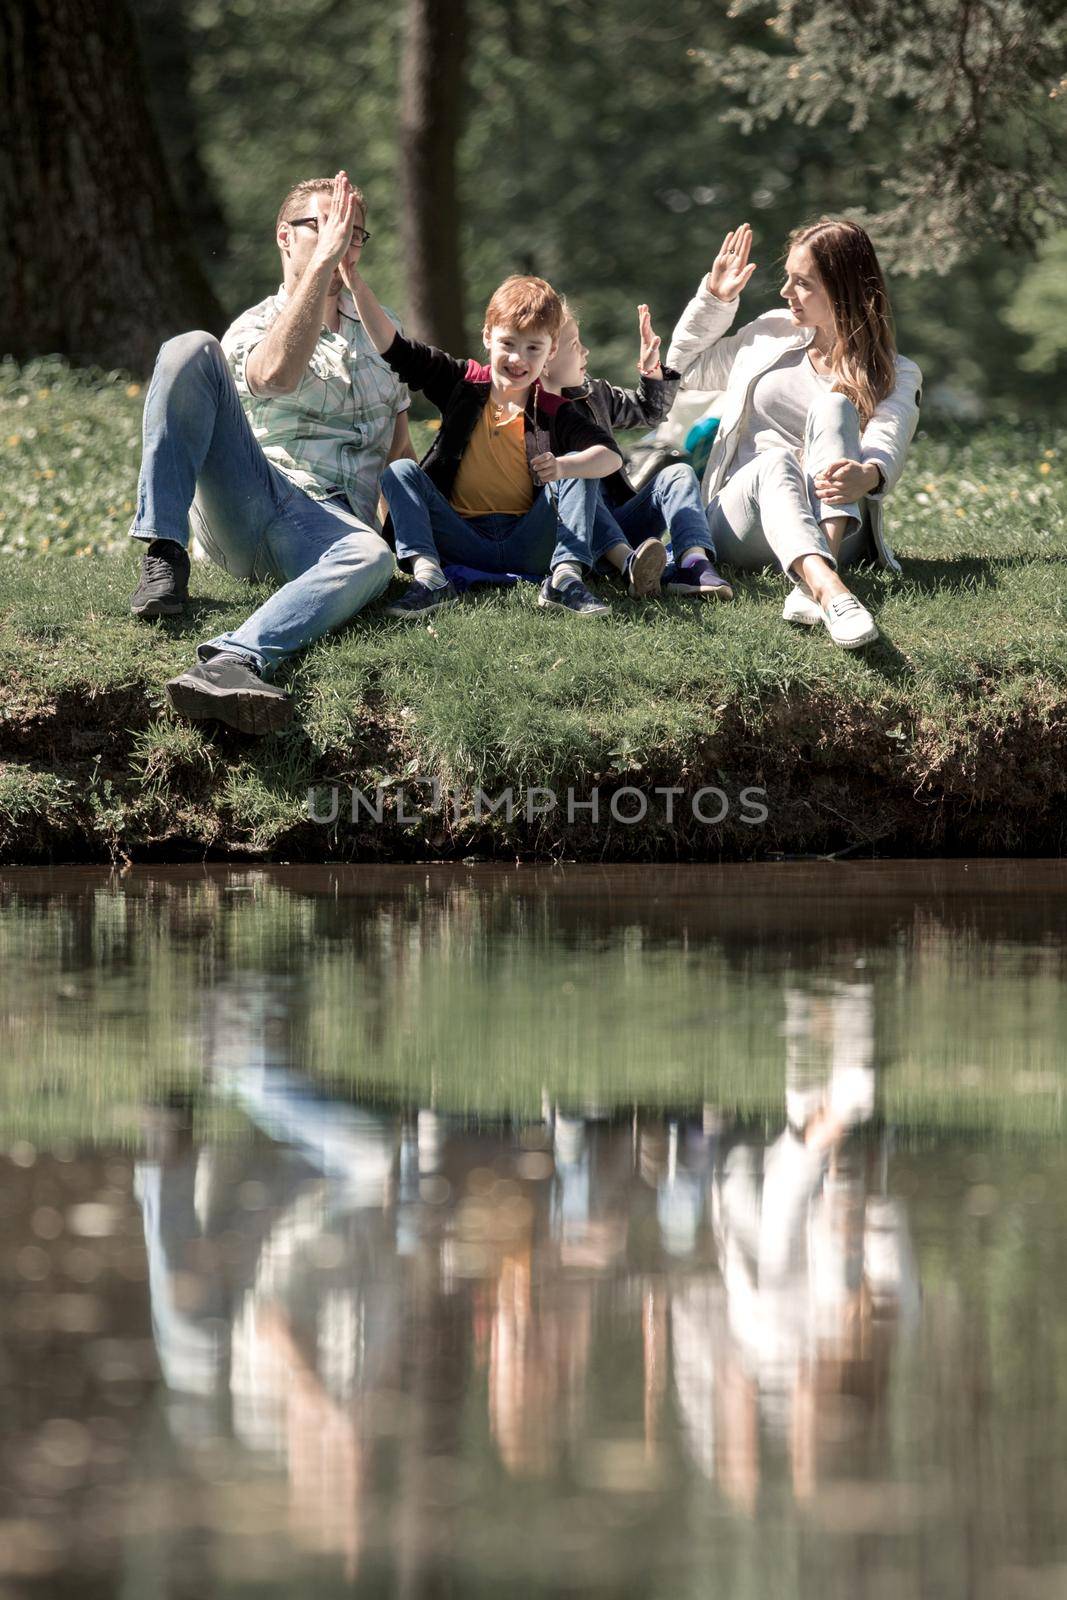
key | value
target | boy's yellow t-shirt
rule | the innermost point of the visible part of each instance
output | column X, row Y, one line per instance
column 493, row 476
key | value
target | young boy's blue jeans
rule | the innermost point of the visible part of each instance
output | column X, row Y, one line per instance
column 671, row 500
column 561, row 525
column 250, row 518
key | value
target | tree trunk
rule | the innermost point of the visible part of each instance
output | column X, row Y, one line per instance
column 431, row 119
column 95, row 261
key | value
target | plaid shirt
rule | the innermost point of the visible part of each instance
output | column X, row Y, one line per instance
column 332, row 435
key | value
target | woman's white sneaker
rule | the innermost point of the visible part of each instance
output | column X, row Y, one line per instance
column 800, row 607
column 848, row 623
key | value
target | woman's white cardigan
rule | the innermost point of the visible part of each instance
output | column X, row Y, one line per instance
column 710, row 360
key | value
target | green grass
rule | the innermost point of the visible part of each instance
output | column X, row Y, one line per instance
column 949, row 735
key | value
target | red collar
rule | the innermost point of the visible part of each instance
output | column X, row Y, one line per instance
column 546, row 403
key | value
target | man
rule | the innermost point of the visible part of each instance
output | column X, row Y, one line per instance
column 282, row 433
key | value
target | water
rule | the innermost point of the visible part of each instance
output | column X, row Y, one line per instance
column 439, row 1231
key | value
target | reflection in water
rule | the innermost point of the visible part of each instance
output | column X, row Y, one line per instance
column 817, row 1269
column 342, row 1293
column 733, row 1301
column 475, row 988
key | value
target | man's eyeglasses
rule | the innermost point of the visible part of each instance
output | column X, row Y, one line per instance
column 359, row 235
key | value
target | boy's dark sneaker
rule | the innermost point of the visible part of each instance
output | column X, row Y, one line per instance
column 229, row 689
column 164, row 586
column 644, row 568
column 420, row 598
column 574, row 596
column 699, row 578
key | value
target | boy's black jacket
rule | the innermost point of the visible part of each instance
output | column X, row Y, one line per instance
column 610, row 408
column 460, row 391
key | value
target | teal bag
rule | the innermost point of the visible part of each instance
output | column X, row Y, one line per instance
column 698, row 442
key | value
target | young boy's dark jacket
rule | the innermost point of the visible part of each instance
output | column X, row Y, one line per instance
column 460, row 391
column 611, row 408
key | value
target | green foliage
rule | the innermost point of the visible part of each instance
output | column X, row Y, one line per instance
column 1039, row 309
column 953, row 99
column 612, row 183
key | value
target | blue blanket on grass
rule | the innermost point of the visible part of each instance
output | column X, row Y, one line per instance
column 463, row 578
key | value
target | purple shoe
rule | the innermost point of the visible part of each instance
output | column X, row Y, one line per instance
column 697, row 577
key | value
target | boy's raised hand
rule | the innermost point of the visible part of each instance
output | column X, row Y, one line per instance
column 731, row 269
column 648, row 362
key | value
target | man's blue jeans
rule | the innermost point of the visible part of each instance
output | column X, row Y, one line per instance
column 250, row 518
column 670, row 501
column 426, row 525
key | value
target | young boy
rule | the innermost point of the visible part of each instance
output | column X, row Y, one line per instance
column 510, row 481
column 630, row 521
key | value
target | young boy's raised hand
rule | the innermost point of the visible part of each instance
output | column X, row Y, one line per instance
column 648, row 362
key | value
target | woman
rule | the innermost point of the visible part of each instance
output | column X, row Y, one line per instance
column 815, row 421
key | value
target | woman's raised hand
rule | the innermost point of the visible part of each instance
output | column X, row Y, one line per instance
column 731, row 268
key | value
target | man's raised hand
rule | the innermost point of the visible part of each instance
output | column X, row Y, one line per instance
column 648, row 362
column 731, row 268
column 335, row 234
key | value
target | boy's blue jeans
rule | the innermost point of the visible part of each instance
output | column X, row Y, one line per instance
column 426, row 525
column 671, row 500
column 250, row 518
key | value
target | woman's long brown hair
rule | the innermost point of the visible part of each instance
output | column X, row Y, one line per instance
column 864, row 352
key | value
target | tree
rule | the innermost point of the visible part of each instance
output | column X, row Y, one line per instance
column 958, row 95
column 431, row 117
column 93, row 252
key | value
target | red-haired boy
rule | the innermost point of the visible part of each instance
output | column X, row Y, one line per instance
column 510, row 481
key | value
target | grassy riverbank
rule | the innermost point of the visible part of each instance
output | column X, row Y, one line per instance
column 949, row 735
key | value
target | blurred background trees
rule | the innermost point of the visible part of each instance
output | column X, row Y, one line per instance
column 610, row 143
column 948, row 105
